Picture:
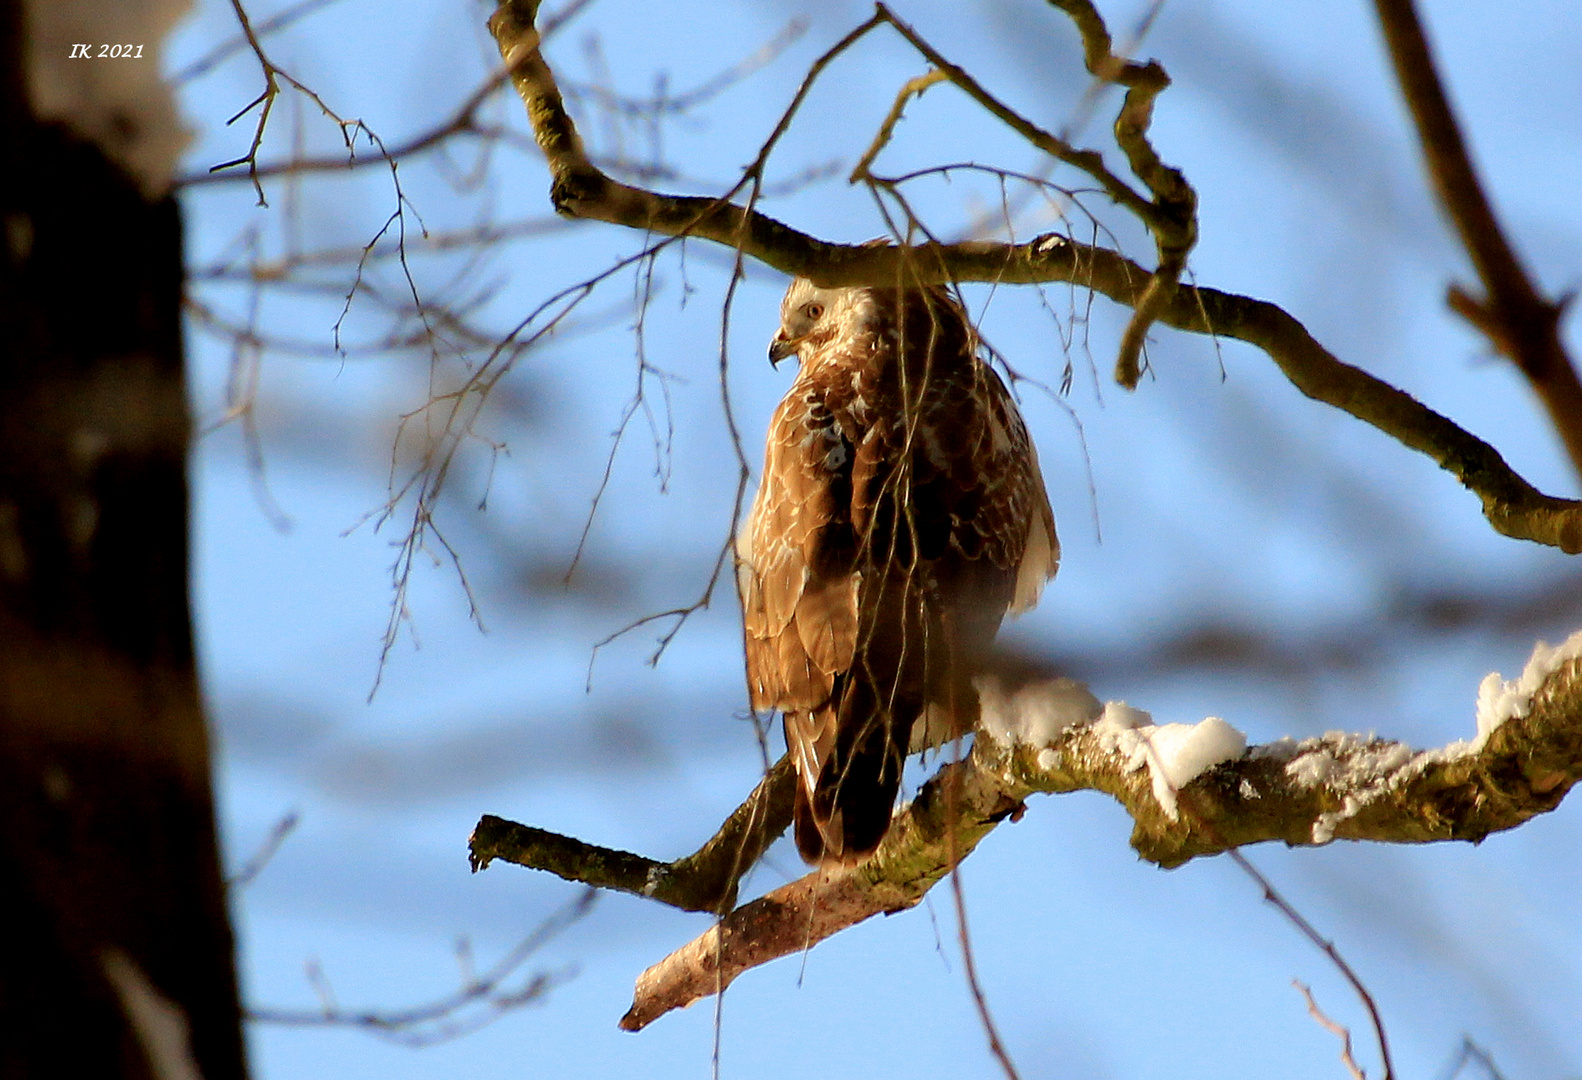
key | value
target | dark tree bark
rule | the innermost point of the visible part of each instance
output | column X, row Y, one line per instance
column 115, row 907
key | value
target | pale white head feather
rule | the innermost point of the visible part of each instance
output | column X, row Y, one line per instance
column 808, row 307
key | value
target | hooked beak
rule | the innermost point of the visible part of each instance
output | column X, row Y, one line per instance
column 781, row 347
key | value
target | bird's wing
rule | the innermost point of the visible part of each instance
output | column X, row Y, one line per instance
column 1040, row 550
column 795, row 570
column 1014, row 523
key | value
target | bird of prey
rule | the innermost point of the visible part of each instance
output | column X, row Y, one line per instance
column 900, row 516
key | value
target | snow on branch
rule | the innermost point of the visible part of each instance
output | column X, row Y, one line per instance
column 1191, row 790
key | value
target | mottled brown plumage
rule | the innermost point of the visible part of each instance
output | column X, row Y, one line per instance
column 900, row 516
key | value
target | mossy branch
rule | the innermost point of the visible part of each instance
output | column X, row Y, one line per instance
column 1302, row 794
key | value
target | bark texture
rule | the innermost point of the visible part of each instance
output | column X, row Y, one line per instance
column 118, row 935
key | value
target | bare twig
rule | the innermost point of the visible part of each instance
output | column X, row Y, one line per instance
column 1338, row 1030
column 969, row 965
column 482, row 998
column 665, row 103
column 265, row 104
column 1327, row 947
column 913, row 88
column 285, row 268
column 266, row 851
column 448, row 418
column 1471, row 1051
column 1171, row 216
column 579, row 189
column 226, row 49
column 1363, row 790
column 463, row 121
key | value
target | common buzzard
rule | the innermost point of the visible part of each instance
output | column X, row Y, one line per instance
column 901, row 515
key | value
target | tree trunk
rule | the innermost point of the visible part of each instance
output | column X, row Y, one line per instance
column 109, row 872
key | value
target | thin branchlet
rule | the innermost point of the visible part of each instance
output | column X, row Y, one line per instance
column 1510, row 503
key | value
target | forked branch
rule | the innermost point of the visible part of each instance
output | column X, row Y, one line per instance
column 1519, row 321
column 579, row 189
column 1303, row 794
column 1174, row 222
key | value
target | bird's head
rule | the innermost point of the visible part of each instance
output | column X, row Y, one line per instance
column 807, row 312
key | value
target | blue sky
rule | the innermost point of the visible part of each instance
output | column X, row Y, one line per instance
column 1220, row 498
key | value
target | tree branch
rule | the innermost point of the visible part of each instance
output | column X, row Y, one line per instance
column 916, row 854
column 706, row 880
column 1308, row 793
column 1174, row 222
column 1522, row 764
column 1338, row 787
column 482, row 998
column 1519, row 322
column 579, row 189
column 463, row 121
column 1191, row 791
column 1089, row 161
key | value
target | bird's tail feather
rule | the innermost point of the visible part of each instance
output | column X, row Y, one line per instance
column 843, row 813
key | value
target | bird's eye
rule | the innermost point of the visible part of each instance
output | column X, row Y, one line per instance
column 813, row 311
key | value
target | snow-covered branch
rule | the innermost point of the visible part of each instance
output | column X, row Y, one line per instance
column 1191, row 790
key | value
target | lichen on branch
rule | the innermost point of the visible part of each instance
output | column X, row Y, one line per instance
column 1191, row 791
